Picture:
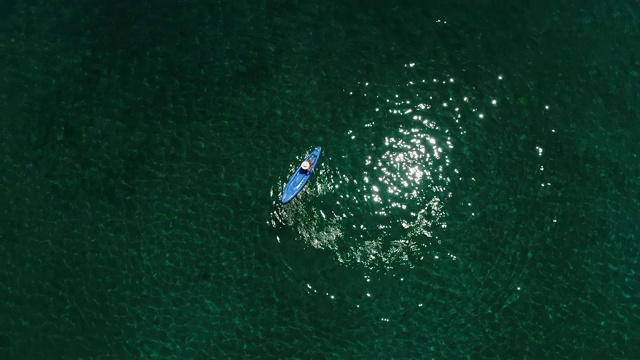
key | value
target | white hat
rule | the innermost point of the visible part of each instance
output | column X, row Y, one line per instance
column 305, row 165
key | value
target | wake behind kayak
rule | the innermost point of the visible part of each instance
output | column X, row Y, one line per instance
column 301, row 176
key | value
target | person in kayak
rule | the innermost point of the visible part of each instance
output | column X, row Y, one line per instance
column 306, row 165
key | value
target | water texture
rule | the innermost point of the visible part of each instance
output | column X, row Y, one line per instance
column 478, row 194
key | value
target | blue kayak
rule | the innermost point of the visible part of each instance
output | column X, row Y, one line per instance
column 300, row 177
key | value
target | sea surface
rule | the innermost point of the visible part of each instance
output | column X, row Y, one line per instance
column 477, row 197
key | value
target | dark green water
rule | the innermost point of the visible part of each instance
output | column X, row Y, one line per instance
column 477, row 197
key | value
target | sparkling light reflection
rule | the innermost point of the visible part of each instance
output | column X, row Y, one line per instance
column 407, row 173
